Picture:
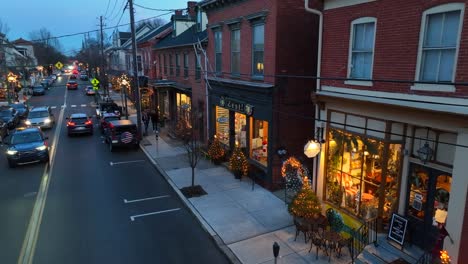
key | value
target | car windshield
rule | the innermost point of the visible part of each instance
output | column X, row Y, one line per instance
column 111, row 118
column 38, row 88
column 79, row 120
column 18, row 106
column 22, row 138
column 5, row 113
column 38, row 114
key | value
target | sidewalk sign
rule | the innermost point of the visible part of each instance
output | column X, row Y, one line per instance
column 397, row 229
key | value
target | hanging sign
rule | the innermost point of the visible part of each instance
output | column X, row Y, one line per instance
column 397, row 229
column 236, row 105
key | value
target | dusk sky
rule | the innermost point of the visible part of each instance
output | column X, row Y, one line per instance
column 68, row 17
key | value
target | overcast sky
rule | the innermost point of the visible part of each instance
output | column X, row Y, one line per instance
column 68, row 17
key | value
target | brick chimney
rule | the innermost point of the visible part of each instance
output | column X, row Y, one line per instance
column 191, row 5
column 178, row 12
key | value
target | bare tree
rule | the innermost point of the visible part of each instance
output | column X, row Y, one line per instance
column 4, row 28
column 153, row 23
column 45, row 37
column 192, row 142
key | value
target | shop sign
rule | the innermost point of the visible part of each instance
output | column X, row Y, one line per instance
column 417, row 201
column 236, row 105
column 397, row 229
column 222, row 119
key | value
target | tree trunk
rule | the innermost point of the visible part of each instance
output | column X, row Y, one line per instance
column 193, row 176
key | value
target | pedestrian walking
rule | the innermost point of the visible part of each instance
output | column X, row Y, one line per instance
column 145, row 118
column 154, row 120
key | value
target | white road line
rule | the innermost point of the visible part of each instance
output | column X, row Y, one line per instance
column 83, row 105
column 153, row 213
column 146, row 199
column 124, row 162
column 53, row 107
column 73, row 105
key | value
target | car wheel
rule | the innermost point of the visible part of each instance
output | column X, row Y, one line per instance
column 12, row 164
column 111, row 147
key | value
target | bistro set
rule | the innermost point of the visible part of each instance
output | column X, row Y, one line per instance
column 321, row 233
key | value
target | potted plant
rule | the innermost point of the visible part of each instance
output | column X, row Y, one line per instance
column 216, row 151
column 305, row 203
column 238, row 163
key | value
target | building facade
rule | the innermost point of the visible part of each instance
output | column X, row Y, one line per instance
column 257, row 98
column 393, row 98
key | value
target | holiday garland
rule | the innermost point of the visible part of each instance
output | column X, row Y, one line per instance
column 294, row 171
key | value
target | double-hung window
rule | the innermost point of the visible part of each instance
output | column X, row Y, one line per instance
column 197, row 67
column 171, row 66
column 439, row 46
column 258, row 50
column 186, row 62
column 165, row 64
column 218, row 38
column 235, row 52
column 177, row 62
column 362, row 48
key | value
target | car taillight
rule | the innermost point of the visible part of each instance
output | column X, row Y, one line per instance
column 89, row 122
column 70, row 123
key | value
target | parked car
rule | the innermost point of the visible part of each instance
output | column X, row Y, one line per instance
column 38, row 90
column 89, row 90
column 22, row 109
column 79, row 123
column 27, row 145
column 41, row 117
column 122, row 133
column 84, row 77
column 108, row 107
column 72, row 77
column 45, row 83
column 9, row 116
column 105, row 119
column 3, row 131
column 72, row 85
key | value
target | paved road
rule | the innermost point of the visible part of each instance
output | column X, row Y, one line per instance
column 92, row 198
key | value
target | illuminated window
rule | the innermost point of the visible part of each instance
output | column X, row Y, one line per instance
column 259, row 141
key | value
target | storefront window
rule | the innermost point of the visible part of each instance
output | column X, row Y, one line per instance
column 259, row 141
column 222, row 125
column 391, row 185
column 183, row 106
column 240, row 124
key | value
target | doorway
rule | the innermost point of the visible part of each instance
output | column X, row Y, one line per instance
column 427, row 203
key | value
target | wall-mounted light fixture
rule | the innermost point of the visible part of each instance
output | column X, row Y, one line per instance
column 425, row 152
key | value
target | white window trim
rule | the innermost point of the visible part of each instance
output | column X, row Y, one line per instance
column 361, row 20
column 438, row 9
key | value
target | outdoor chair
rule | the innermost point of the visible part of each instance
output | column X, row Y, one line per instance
column 301, row 227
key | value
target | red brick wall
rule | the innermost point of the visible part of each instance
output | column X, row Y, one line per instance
column 396, row 46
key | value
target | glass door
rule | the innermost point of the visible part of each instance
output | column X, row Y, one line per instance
column 427, row 206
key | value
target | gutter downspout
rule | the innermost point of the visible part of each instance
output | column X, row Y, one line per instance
column 319, row 61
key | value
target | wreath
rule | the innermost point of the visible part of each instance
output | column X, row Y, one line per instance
column 293, row 171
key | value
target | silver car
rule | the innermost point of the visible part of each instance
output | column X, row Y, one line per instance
column 41, row 117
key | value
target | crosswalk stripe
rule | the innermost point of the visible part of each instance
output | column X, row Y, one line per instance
column 83, row 105
column 53, row 107
column 73, row 105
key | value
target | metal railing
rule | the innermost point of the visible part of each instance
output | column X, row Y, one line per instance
column 363, row 236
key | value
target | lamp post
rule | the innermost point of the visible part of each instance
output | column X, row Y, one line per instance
column 11, row 80
column 124, row 82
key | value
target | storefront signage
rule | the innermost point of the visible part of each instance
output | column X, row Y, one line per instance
column 222, row 119
column 397, row 229
column 236, row 105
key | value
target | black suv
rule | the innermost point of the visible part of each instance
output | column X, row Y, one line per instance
column 79, row 123
column 27, row 145
column 122, row 133
column 10, row 116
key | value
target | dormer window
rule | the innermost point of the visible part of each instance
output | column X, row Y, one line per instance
column 174, row 29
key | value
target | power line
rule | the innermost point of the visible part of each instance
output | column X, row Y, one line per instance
column 113, row 9
column 157, row 9
column 121, row 8
column 107, row 8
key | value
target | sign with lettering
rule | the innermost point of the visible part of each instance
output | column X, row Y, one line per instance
column 236, row 105
column 397, row 229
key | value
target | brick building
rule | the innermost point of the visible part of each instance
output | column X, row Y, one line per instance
column 396, row 115
column 257, row 51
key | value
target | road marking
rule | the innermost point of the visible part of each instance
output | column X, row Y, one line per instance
column 83, row 105
column 53, row 107
column 32, row 234
column 153, row 213
column 124, row 162
column 146, row 199
column 73, row 105
column 64, row 105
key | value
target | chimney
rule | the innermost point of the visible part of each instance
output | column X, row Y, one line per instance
column 191, row 6
column 178, row 12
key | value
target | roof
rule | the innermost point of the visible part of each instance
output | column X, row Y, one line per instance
column 153, row 33
column 188, row 37
column 40, row 108
column 22, row 41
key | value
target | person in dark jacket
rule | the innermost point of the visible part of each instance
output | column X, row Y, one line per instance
column 154, row 120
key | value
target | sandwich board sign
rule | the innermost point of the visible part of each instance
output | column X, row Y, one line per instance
column 397, row 229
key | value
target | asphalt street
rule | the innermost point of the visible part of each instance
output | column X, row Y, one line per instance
column 101, row 207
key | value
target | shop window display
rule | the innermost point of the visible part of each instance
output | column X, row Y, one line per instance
column 222, row 125
column 240, row 128
column 355, row 173
column 183, row 106
column 259, row 141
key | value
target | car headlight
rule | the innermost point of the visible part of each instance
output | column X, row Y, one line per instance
column 47, row 120
column 40, row 148
column 27, row 122
column 11, row 152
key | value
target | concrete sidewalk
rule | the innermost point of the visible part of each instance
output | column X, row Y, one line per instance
column 244, row 221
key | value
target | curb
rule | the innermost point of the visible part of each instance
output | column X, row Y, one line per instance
column 216, row 238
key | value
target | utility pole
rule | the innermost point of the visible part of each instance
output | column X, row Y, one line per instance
column 135, row 67
column 103, row 62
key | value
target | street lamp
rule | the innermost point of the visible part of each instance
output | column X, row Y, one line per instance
column 12, row 80
column 123, row 80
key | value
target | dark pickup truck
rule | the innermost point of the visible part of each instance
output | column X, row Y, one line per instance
column 108, row 107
